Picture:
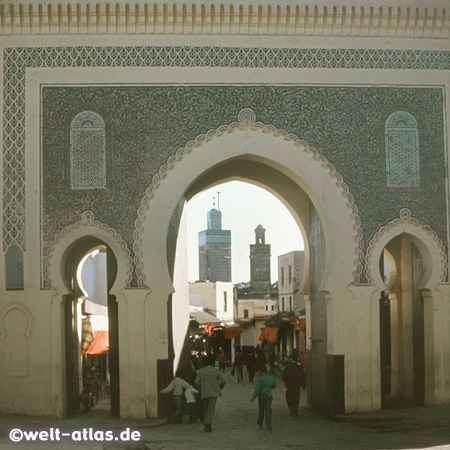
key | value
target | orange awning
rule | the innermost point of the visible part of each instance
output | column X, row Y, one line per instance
column 302, row 324
column 262, row 335
column 100, row 344
column 231, row 332
column 271, row 334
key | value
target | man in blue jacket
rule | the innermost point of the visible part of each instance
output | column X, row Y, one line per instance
column 263, row 390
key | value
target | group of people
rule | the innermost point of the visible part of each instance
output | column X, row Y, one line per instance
column 210, row 381
column 294, row 378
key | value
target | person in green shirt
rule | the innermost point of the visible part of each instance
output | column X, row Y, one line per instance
column 263, row 390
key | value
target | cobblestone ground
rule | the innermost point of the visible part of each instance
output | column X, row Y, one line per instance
column 235, row 427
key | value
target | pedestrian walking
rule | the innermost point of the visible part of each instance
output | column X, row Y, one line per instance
column 260, row 359
column 293, row 378
column 251, row 365
column 222, row 360
column 177, row 387
column 238, row 365
column 263, row 391
column 191, row 403
column 211, row 382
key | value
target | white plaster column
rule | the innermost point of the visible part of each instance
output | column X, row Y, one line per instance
column 436, row 342
column 156, row 341
column 357, row 327
column 407, row 384
column 58, row 357
column 396, row 372
column 431, row 328
column 308, row 321
column 131, row 352
column 443, row 360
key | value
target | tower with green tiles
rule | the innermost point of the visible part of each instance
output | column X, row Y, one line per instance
column 214, row 249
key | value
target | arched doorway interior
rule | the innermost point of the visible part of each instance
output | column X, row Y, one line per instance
column 402, row 349
column 78, row 364
column 298, row 202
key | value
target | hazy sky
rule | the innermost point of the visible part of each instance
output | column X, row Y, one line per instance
column 243, row 207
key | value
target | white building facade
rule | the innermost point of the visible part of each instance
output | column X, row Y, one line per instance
column 291, row 268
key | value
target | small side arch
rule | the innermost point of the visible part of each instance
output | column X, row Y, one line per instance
column 68, row 238
column 425, row 239
column 16, row 324
column 24, row 309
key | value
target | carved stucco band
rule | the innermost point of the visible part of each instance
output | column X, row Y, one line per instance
column 87, row 221
column 308, row 19
column 405, row 218
column 246, row 121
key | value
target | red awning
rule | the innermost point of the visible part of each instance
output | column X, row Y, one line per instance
column 210, row 330
column 231, row 332
column 100, row 344
column 262, row 335
column 301, row 322
column 271, row 334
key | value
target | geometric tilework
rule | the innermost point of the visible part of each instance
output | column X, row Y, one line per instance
column 330, row 119
column 402, row 150
column 16, row 60
column 87, row 151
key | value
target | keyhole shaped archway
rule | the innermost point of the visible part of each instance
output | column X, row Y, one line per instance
column 307, row 185
column 64, row 257
column 97, row 374
column 406, row 262
column 402, row 348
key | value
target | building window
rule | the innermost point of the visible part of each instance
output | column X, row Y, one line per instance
column 402, row 150
column 87, row 151
column 267, row 307
column 225, row 302
column 282, row 303
column 273, row 307
column 290, row 303
column 282, row 275
column 245, row 313
column 290, row 273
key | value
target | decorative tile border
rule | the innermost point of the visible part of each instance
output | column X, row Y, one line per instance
column 17, row 60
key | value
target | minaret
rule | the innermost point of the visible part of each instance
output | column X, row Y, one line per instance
column 214, row 248
column 260, row 262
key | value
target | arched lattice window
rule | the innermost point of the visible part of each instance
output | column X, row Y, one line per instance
column 402, row 150
column 87, row 151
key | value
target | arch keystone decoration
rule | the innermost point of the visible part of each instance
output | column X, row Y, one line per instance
column 246, row 122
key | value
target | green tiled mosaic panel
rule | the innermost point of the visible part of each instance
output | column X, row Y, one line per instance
column 402, row 150
column 87, row 152
column 345, row 124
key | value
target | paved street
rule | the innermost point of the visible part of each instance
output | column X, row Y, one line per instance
column 235, row 427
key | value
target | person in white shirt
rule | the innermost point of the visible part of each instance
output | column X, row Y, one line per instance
column 177, row 386
column 191, row 402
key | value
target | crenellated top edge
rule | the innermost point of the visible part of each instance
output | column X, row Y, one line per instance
column 407, row 19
